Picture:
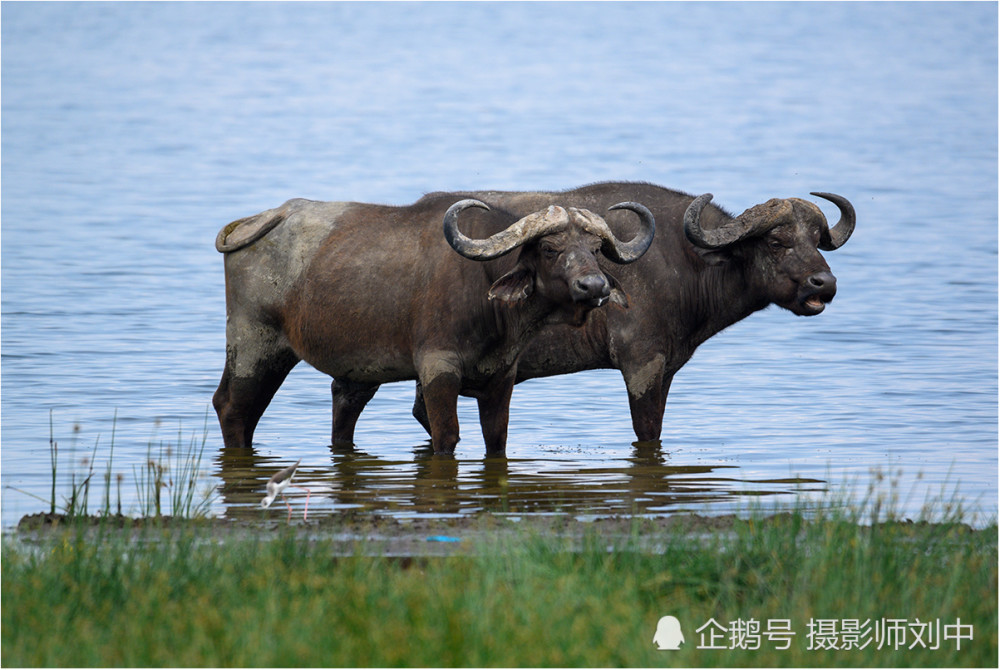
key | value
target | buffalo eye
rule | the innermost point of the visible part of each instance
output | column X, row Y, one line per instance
column 774, row 244
column 549, row 251
column 815, row 236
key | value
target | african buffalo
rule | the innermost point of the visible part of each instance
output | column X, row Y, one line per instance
column 705, row 271
column 372, row 294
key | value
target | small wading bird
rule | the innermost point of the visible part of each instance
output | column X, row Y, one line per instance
column 278, row 483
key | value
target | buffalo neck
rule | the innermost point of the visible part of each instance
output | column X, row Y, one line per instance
column 722, row 295
column 513, row 327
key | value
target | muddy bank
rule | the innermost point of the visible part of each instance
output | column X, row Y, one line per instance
column 352, row 533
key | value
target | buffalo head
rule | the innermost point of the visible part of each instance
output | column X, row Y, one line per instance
column 558, row 259
column 778, row 242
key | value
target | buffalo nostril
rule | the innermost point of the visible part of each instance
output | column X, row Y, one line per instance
column 822, row 280
column 591, row 286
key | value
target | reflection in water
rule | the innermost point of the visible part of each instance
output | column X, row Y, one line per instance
column 429, row 485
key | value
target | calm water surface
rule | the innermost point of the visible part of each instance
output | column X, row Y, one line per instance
column 132, row 132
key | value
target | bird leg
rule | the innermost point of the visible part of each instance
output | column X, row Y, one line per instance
column 305, row 512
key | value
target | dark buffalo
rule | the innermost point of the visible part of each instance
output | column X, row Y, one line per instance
column 705, row 271
column 372, row 294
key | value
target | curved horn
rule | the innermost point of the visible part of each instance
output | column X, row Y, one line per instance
column 708, row 239
column 835, row 237
column 627, row 252
column 758, row 218
column 459, row 242
column 530, row 227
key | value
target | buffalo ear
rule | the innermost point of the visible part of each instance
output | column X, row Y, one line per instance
column 618, row 295
column 714, row 256
column 516, row 285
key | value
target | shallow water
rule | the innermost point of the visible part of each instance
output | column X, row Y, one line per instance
column 133, row 132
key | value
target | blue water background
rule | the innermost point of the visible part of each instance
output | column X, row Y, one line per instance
column 131, row 132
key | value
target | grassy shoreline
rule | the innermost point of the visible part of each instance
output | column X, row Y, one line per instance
column 826, row 584
column 539, row 593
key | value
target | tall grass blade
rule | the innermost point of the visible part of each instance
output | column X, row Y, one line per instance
column 54, row 456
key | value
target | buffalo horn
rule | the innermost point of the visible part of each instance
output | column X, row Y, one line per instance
column 709, row 239
column 627, row 252
column 835, row 237
column 613, row 248
column 755, row 220
column 529, row 228
column 546, row 221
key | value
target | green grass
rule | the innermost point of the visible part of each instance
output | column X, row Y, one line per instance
column 165, row 484
column 187, row 598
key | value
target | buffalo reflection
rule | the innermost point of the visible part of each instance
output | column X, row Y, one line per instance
column 427, row 484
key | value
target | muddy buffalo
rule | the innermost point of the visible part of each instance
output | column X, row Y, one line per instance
column 371, row 294
column 706, row 270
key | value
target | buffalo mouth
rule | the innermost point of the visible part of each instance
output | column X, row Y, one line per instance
column 815, row 292
column 583, row 308
column 813, row 303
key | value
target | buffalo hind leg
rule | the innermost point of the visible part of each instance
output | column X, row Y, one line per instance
column 240, row 401
column 349, row 400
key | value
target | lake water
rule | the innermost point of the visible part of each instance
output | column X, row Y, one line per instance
column 132, row 132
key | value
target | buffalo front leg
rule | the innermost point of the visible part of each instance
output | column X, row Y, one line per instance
column 494, row 415
column 349, row 400
column 647, row 398
column 245, row 391
column 419, row 410
column 441, row 381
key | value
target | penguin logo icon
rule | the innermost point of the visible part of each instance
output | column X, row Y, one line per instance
column 668, row 633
